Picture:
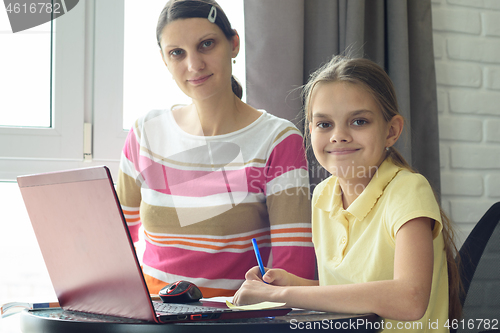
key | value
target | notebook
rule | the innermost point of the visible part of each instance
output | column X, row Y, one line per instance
column 89, row 254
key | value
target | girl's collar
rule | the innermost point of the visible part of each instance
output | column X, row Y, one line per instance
column 330, row 196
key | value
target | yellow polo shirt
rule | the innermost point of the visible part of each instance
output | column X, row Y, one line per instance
column 357, row 245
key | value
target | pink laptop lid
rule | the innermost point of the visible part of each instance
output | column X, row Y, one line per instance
column 77, row 221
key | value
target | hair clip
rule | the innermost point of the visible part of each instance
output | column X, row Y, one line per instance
column 213, row 14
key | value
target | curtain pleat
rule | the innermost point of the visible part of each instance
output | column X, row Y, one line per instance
column 288, row 39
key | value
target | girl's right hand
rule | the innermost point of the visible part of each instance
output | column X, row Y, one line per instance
column 275, row 276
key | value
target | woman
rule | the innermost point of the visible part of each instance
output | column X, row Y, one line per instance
column 204, row 179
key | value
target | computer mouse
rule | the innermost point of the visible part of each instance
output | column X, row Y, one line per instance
column 180, row 292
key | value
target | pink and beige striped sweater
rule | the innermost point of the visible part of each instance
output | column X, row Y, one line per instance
column 202, row 199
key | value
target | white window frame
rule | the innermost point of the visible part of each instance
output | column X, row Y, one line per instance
column 109, row 135
column 31, row 150
column 25, row 150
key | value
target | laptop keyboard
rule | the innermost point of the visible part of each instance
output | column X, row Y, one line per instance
column 184, row 308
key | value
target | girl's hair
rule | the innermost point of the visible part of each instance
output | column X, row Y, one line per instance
column 371, row 77
column 183, row 9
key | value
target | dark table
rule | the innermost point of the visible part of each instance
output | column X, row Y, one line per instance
column 57, row 321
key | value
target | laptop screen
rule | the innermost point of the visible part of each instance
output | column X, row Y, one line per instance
column 85, row 243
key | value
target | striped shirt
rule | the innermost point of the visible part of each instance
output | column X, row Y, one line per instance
column 201, row 199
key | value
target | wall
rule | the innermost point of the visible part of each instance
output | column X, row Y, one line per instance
column 467, row 54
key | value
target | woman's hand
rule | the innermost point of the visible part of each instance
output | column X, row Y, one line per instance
column 275, row 276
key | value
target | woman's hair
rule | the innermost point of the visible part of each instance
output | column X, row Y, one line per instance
column 371, row 77
column 183, row 9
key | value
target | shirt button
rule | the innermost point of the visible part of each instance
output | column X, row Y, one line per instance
column 344, row 240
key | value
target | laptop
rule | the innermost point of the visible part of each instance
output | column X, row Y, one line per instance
column 89, row 254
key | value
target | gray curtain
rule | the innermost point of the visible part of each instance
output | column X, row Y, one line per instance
column 288, row 39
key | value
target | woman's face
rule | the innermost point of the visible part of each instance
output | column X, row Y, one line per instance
column 198, row 55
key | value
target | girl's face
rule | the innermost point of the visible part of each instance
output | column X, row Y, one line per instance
column 348, row 132
column 198, row 55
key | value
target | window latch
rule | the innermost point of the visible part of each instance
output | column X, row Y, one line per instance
column 87, row 142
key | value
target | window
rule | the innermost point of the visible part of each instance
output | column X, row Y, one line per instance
column 25, row 76
column 58, row 135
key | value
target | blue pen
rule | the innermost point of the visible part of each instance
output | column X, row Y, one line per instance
column 259, row 259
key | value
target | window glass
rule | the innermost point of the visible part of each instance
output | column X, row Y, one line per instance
column 26, row 75
column 147, row 84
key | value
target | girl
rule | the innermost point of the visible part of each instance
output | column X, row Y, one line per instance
column 204, row 179
column 382, row 243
